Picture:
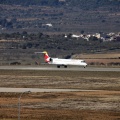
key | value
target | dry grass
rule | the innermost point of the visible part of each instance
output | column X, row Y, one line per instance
column 60, row 79
column 61, row 106
column 100, row 56
column 60, row 73
column 106, row 59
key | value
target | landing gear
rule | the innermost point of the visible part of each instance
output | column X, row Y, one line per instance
column 58, row 66
column 65, row 66
column 85, row 66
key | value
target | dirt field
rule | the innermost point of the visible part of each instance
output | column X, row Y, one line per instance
column 106, row 59
column 104, row 104
column 99, row 56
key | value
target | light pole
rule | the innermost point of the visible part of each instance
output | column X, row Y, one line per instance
column 19, row 103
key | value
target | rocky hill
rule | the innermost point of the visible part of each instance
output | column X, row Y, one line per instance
column 60, row 16
column 85, row 4
column 36, row 25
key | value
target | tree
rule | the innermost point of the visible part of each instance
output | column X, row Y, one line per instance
column 40, row 35
column 3, row 22
column 24, row 33
column 82, row 32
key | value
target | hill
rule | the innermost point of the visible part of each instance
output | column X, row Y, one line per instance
column 37, row 25
column 64, row 15
column 85, row 4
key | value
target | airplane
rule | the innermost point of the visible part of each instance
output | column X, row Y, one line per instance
column 62, row 62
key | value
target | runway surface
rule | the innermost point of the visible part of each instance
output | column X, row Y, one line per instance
column 58, row 69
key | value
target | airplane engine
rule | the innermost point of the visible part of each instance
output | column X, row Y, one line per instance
column 51, row 60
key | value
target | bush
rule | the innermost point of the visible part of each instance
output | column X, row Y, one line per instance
column 15, row 63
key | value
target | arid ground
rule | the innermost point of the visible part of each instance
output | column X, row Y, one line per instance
column 93, row 105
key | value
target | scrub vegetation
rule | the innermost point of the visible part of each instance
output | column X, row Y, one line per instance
column 96, row 105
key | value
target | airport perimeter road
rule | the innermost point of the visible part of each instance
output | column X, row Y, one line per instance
column 17, row 90
column 55, row 68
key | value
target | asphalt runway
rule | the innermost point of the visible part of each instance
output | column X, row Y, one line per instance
column 76, row 68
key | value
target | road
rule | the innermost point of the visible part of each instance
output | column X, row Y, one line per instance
column 57, row 69
column 4, row 89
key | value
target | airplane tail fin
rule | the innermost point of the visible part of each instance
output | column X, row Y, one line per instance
column 46, row 57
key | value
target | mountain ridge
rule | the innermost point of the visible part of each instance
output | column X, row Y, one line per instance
column 84, row 4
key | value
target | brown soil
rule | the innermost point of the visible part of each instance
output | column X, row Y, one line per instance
column 104, row 104
column 106, row 59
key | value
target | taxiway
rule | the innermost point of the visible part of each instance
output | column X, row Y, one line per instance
column 57, row 69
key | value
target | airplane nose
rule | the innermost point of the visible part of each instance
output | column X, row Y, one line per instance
column 86, row 64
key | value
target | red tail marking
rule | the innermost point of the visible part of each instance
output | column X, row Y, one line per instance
column 46, row 57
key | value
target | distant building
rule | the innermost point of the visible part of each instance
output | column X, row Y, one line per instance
column 49, row 24
column 75, row 36
column 97, row 35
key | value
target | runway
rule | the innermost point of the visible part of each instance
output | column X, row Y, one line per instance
column 58, row 69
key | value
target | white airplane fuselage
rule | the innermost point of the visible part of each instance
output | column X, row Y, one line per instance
column 65, row 62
